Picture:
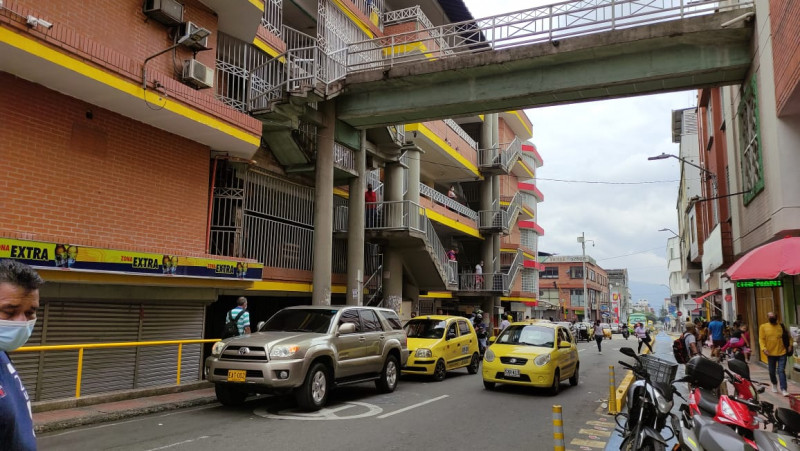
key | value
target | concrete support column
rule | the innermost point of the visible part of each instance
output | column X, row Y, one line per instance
column 323, row 209
column 496, row 236
column 487, row 247
column 355, row 227
column 392, row 214
column 486, row 136
column 414, row 155
column 392, row 279
column 494, row 122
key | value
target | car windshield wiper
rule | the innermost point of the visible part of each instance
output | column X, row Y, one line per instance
column 530, row 344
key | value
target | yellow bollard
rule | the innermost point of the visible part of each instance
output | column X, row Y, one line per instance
column 558, row 429
column 612, row 391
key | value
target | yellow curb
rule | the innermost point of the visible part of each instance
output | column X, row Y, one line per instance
column 622, row 389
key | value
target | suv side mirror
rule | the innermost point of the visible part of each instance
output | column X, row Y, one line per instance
column 347, row 328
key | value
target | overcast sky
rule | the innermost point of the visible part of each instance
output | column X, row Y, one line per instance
column 630, row 199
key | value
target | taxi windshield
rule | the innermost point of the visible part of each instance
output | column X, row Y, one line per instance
column 532, row 335
column 425, row 328
column 300, row 320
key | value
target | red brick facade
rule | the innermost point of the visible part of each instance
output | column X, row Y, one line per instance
column 107, row 181
column 785, row 23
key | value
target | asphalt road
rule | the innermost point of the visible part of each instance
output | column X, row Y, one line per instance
column 457, row 413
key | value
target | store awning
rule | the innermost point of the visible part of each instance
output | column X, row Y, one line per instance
column 769, row 261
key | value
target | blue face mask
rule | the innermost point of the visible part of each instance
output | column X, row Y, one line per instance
column 14, row 334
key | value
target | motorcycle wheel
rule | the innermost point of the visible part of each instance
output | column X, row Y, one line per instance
column 648, row 445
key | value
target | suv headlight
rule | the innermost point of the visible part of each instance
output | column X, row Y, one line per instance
column 217, row 348
column 283, row 351
column 423, row 353
column 542, row 360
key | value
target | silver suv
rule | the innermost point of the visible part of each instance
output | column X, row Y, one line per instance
column 308, row 350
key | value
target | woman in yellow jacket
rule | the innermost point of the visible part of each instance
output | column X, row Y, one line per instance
column 770, row 340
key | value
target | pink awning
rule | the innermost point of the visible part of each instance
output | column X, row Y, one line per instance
column 769, row 261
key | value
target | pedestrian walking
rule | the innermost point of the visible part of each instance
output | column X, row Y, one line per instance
column 452, row 265
column 240, row 315
column 690, row 339
column 716, row 330
column 644, row 337
column 479, row 275
column 19, row 300
column 505, row 323
column 775, row 343
column 598, row 335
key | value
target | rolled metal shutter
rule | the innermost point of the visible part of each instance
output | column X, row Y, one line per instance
column 158, row 364
column 52, row 374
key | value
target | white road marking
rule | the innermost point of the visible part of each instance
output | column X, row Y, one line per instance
column 366, row 410
column 202, row 437
column 413, row 406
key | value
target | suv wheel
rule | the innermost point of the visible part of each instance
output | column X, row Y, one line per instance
column 473, row 365
column 388, row 380
column 313, row 394
column 229, row 396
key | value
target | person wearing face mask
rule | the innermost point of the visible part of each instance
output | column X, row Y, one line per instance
column 772, row 341
column 19, row 300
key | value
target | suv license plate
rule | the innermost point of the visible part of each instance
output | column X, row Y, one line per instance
column 239, row 375
column 508, row 373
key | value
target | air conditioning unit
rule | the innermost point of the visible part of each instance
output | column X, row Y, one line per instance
column 186, row 29
column 168, row 12
column 197, row 74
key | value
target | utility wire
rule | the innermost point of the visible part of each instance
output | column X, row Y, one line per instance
column 633, row 253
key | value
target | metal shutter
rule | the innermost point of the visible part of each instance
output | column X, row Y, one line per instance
column 51, row 374
column 158, row 364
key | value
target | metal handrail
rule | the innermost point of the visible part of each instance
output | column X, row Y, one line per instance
column 494, row 157
column 516, row 264
column 436, row 196
column 461, row 133
column 530, row 26
column 494, row 218
column 377, row 275
column 125, row 344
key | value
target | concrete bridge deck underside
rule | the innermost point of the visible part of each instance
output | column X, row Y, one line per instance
column 669, row 56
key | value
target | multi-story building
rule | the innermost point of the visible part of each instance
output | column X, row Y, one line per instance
column 561, row 283
column 619, row 293
column 167, row 157
column 750, row 195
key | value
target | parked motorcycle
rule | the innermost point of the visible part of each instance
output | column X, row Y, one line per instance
column 739, row 413
column 649, row 402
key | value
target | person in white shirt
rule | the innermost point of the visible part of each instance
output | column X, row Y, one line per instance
column 505, row 323
column 479, row 275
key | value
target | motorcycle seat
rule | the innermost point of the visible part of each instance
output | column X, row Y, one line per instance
column 789, row 419
column 714, row 436
column 708, row 401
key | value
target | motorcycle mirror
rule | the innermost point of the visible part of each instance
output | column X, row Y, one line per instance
column 628, row 351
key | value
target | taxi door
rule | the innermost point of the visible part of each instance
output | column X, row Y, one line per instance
column 452, row 346
column 467, row 341
column 567, row 357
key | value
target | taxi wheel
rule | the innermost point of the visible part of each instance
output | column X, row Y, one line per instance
column 556, row 383
column 229, row 396
column 473, row 365
column 574, row 379
column 488, row 385
column 440, row 371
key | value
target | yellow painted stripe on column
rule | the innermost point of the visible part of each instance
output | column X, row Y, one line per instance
column 258, row 4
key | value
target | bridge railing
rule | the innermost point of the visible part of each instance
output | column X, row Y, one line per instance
column 530, row 26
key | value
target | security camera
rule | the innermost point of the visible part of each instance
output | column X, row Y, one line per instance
column 45, row 24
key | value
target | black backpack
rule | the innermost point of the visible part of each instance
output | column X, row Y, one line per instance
column 679, row 350
column 232, row 326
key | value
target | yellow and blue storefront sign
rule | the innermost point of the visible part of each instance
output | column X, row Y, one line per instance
column 70, row 257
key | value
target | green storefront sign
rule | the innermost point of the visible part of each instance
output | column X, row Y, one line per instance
column 758, row 283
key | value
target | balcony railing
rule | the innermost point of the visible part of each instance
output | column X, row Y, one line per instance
column 496, row 159
column 344, row 158
column 272, row 19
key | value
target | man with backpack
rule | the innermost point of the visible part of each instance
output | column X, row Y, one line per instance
column 237, row 321
column 685, row 346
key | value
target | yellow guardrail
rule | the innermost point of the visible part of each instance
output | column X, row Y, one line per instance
column 123, row 344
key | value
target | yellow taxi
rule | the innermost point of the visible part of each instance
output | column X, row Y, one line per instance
column 532, row 354
column 440, row 343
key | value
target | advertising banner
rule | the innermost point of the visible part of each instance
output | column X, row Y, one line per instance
column 69, row 257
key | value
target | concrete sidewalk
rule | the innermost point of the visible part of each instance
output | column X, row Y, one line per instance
column 49, row 416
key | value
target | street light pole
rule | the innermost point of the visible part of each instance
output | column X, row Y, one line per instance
column 582, row 239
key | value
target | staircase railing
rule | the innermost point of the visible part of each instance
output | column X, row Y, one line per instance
column 493, row 219
column 373, row 287
column 514, row 207
column 439, row 198
column 514, row 269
